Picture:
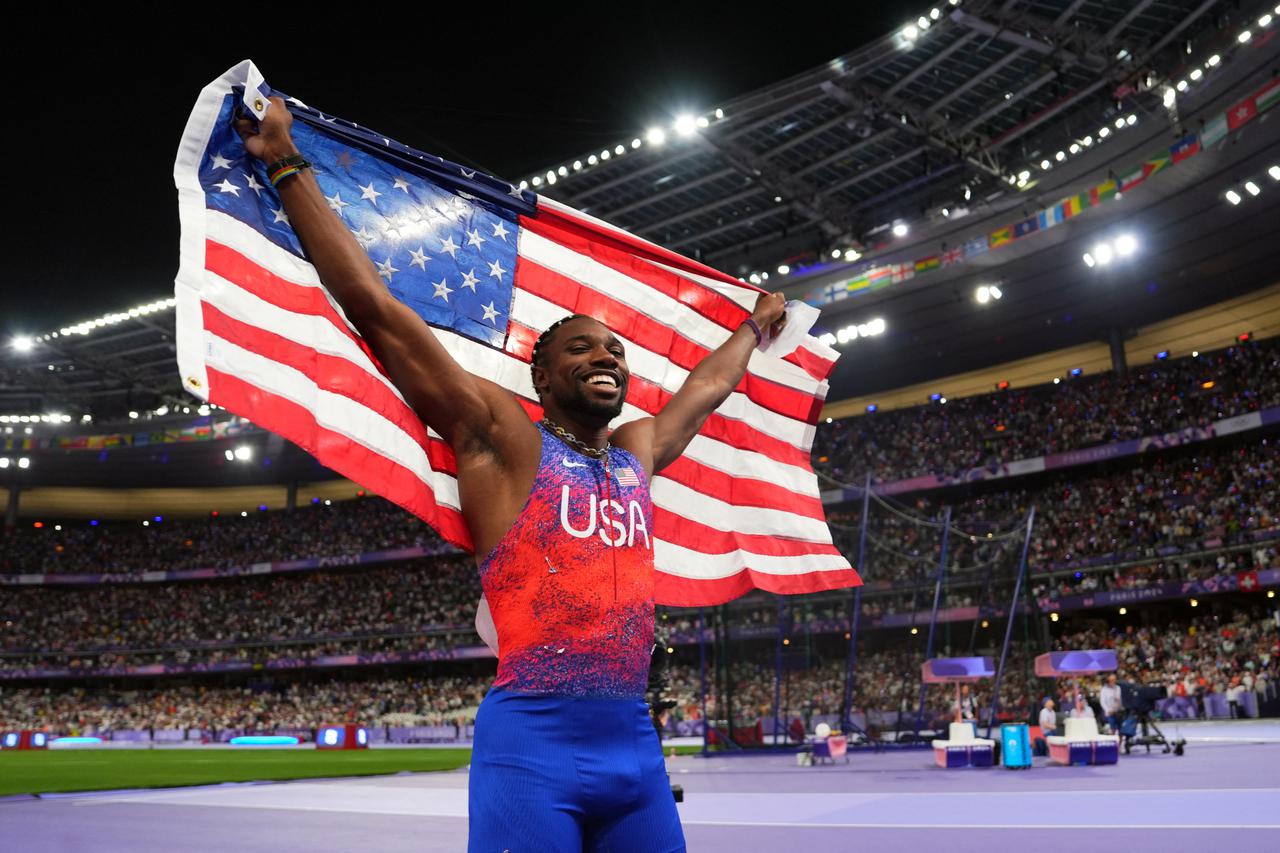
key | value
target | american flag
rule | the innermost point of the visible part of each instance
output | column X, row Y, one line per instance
column 489, row 266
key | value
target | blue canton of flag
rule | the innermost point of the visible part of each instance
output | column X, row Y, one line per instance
column 446, row 253
column 975, row 247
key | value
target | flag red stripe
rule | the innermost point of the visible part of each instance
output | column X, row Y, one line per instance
column 811, row 363
column 655, row 337
column 269, row 287
column 353, row 460
column 334, row 374
column 678, row 530
column 584, row 239
column 741, row 490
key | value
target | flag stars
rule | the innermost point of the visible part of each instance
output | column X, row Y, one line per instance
column 227, row 187
column 499, row 231
column 336, row 203
column 253, row 184
column 469, row 175
column 419, row 259
column 490, row 313
column 469, row 280
column 364, row 238
column 280, row 216
column 450, row 247
column 496, row 270
column 220, row 162
column 370, row 193
column 401, row 183
column 474, row 238
column 442, row 289
column 515, row 192
column 386, row 270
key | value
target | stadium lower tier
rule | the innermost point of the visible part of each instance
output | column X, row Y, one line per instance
column 1206, row 664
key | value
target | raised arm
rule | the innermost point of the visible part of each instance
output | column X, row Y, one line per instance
column 659, row 441
column 464, row 409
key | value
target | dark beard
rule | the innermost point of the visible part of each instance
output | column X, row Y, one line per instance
column 583, row 404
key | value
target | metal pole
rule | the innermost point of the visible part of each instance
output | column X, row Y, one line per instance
column 11, row 509
column 933, row 616
column 777, row 673
column 702, row 676
column 855, row 611
column 1008, row 628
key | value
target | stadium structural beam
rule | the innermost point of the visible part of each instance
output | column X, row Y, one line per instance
column 1048, row 38
column 1013, row 614
column 724, row 227
column 908, row 79
column 965, row 145
column 832, row 217
column 855, row 615
column 1115, row 337
column 291, row 495
column 939, row 579
column 11, row 507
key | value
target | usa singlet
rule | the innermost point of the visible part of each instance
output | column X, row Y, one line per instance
column 570, row 585
column 565, row 757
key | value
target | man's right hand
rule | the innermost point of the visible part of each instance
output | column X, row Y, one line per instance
column 268, row 139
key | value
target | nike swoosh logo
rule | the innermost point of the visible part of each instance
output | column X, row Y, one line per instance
column 569, row 464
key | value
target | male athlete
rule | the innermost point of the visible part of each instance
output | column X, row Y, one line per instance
column 565, row 757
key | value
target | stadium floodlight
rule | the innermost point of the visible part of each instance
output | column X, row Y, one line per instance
column 1087, row 141
column 1126, row 244
column 1103, row 253
column 244, row 453
column 551, row 178
column 1045, row 164
column 1244, row 37
column 1274, row 172
column 835, row 253
column 1057, row 380
column 1089, row 260
column 1024, row 175
column 4, row 462
column 852, row 254
column 1104, row 132
column 935, row 13
column 524, row 185
column 537, row 180
column 1131, row 119
column 605, row 154
column 655, row 136
column 1212, row 62
column 24, row 462
column 783, row 269
column 202, row 411
column 1074, row 148
column 685, row 125
column 1060, row 156
column 637, row 142
column 133, row 416
column 23, row 343
column 900, row 229
column 592, row 159
column 982, row 294
column 1170, row 97
column 1183, row 85
column 719, row 113
column 1265, row 20
column 923, row 23
column 231, row 457
column 563, row 171
column 910, row 32
column 754, row 278
column 995, row 292
column 1195, row 74
column 1252, row 188
column 1233, row 196
column 619, row 149
column 162, row 411
column 703, row 121
column 1120, row 123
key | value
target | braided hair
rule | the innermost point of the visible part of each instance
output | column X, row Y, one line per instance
column 535, row 359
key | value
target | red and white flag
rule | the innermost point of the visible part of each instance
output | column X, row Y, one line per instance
column 489, row 266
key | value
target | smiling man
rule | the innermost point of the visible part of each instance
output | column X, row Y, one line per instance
column 565, row 757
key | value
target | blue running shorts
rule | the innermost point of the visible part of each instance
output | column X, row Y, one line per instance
column 562, row 774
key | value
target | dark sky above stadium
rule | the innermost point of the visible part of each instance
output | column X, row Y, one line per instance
column 95, row 108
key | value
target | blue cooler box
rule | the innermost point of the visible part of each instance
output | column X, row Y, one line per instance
column 1015, row 746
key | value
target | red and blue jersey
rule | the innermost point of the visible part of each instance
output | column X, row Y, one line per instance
column 570, row 585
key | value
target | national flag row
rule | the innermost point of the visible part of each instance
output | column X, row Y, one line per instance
column 199, row 432
column 1215, row 130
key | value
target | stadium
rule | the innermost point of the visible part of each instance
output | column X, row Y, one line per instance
column 987, row 556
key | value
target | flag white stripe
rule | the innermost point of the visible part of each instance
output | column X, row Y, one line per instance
column 332, row 411
column 686, row 563
column 704, row 509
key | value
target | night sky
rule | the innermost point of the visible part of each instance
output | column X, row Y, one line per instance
column 95, row 113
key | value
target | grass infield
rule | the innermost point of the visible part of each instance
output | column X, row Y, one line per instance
column 44, row 772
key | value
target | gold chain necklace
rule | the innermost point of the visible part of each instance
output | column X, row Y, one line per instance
column 575, row 442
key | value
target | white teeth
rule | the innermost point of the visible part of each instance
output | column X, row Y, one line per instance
column 603, row 380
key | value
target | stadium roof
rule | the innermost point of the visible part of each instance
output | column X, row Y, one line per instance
column 931, row 127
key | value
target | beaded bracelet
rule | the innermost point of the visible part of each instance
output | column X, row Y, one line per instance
column 755, row 328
